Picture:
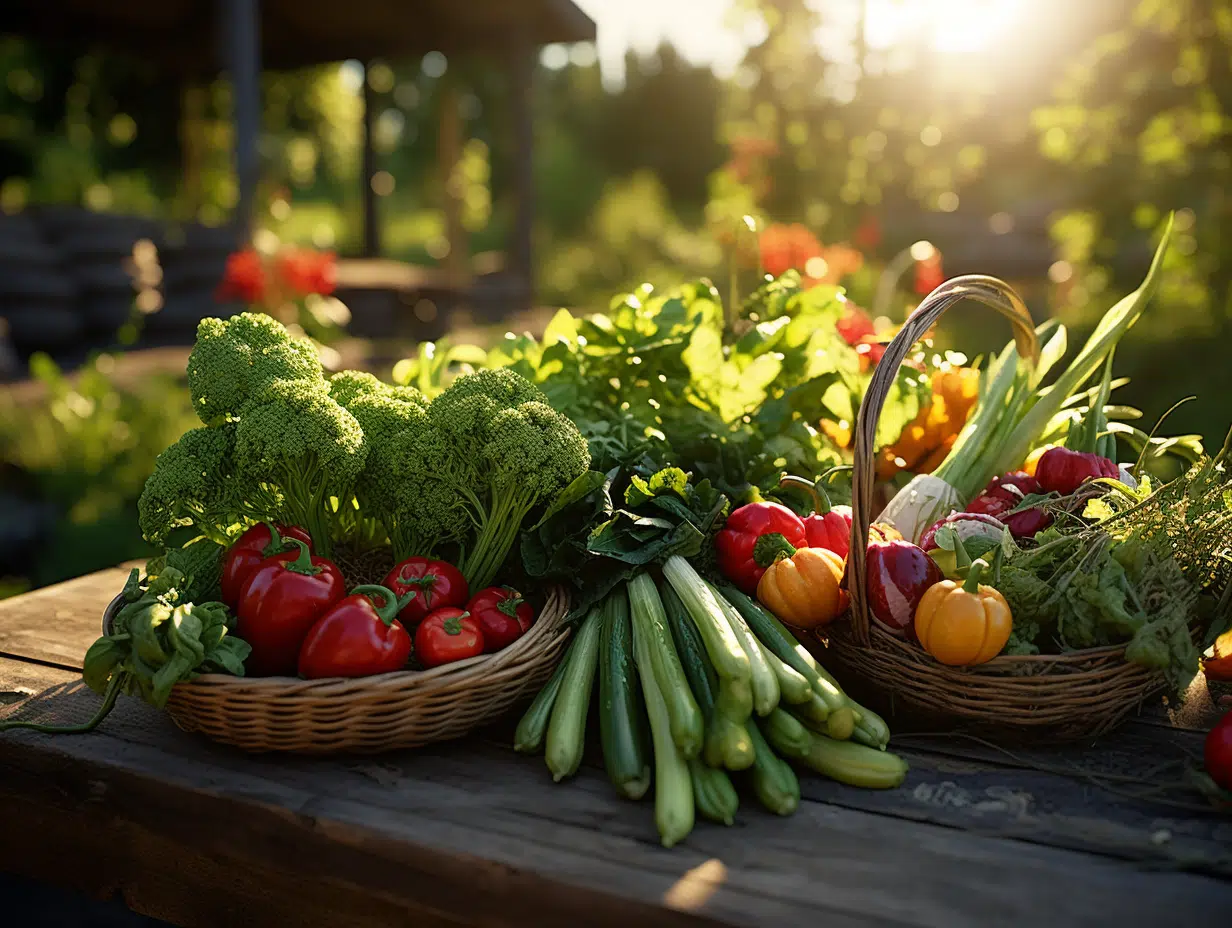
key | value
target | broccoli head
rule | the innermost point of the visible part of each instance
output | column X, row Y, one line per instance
column 298, row 439
column 193, row 483
column 234, row 360
column 502, row 386
column 385, row 414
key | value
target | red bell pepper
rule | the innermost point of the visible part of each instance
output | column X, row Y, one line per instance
column 898, row 575
column 280, row 602
column 503, row 616
column 828, row 526
column 1006, row 493
column 356, row 637
column 447, row 635
column 1061, row 470
column 435, row 583
column 735, row 542
column 265, row 539
column 1218, row 752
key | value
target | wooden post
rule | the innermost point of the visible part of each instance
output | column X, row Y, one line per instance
column 242, row 58
column 521, row 248
column 449, row 155
column 192, row 149
column 372, row 218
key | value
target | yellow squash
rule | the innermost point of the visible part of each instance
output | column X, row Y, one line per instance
column 963, row 625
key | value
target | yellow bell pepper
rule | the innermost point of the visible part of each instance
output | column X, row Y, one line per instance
column 963, row 625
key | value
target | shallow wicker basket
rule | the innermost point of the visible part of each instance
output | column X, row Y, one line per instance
column 1068, row 696
column 366, row 715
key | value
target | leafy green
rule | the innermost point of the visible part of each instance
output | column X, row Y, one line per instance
column 668, row 377
column 587, row 541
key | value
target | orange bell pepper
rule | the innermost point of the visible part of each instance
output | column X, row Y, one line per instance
column 802, row 586
column 963, row 625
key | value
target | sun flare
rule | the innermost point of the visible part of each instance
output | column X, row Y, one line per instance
column 946, row 25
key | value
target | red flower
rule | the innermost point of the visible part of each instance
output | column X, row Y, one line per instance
column 868, row 233
column 243, row 279
column 928, row 274
column 304, row 271
column 854, row 325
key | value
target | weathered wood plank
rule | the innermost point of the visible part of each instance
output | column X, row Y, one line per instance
column 471, row 828
column 56, row 624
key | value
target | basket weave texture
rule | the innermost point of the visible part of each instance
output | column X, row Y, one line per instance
column 1067, row 696
column 367, row 715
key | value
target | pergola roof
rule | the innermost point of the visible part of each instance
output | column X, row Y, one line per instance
column 184, row 36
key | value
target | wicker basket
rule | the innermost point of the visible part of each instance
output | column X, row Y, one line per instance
column 1068, row 696
column 370, row 714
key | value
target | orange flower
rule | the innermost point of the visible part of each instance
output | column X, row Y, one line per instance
column 868, row 233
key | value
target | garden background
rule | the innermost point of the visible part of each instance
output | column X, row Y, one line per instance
column 1039, row 140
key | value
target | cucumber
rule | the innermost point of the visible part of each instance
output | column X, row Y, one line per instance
column 727, row 743
column 649, row 621
column 726, row 655
column 762, row 678
column 531, row 730
column 674, row 809
column 567, row 729
column 622, row 713
column 774, row 782
column 786, row 734
column 854, row 764
column 713, row 794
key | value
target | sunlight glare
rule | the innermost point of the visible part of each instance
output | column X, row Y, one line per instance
column 950, row 25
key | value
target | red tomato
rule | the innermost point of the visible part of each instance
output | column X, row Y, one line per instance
column 447, row 635
column 281, row 601
column 249, row 550
column 436, row 584
column 502, row 614
column 1218, row 752
column 356, row 638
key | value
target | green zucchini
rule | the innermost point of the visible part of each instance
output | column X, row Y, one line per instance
column 726, row 654
column 713, row 793
column 854, row 764
column 674, row 810
column 761, row 676
column 533, row 727
column 622, row 712
column 688, row 726
column 793, row 686
column 786, row 734
column 841, row 724
column 727, row 743
column 567, row 729
column 774, row 782
column 783, row 645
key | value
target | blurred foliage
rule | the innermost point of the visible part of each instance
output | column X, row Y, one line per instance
column 1142, row 124
column 76, row 456
column 1101, row 117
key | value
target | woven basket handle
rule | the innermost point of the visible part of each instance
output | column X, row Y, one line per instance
column 987, row 290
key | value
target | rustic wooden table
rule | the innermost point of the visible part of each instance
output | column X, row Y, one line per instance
column 471, row 834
